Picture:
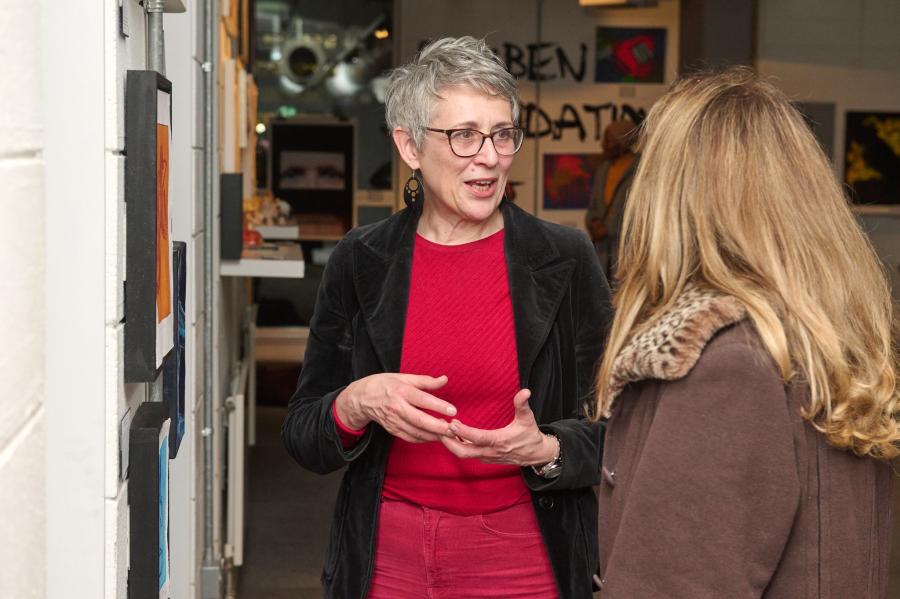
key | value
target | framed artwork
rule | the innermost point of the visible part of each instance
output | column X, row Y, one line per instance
column 148, row 503
column 872, row 157
column 149, row 312
column 173, row 370
column 313, row 166
column 312, row 170
column 630, row 55
column 820, row 117
column 568, row 180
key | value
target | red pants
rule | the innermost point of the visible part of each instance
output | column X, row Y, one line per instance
column 428, row 554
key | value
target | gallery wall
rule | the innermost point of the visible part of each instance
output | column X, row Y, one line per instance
column 22, row 320
column 89, row 405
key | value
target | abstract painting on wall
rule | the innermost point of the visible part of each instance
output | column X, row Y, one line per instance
column 872, row 157
column 173, row 369
column 568, row 179
column 630, row 55
column 820, row 116
column 149, row 316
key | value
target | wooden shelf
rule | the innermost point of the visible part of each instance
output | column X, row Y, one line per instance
column 282, row 260
column 306, row 227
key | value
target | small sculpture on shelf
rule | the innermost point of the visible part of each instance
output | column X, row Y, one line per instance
column 263, row 210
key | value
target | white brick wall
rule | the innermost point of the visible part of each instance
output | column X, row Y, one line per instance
column 22, row 271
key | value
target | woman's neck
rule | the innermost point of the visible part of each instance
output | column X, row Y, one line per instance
column 451, row 229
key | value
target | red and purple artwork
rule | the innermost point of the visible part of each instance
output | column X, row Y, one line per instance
column 630, row 55
column 568, row 179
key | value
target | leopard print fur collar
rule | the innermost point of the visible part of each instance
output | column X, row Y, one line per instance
column 670, row 347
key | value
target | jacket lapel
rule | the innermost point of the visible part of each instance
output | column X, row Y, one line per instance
column 382, row 268
column 538, row 280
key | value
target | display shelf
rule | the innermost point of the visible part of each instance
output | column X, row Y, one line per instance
column 282, row 260
column 308, row 227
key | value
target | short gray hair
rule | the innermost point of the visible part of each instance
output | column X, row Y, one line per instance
column 446, row 62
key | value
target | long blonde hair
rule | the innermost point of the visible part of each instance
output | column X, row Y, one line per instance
column 734, row 193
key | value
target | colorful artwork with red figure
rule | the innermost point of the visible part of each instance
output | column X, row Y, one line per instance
column 568, row 179
column 630, row 55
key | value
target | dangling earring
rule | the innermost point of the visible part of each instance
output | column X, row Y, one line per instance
column 413, row 192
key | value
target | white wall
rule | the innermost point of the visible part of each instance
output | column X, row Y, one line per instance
column 183, row 69
column 77, row 157
column 22, row 271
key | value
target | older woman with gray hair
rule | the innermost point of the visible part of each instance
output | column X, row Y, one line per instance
column 450, row 357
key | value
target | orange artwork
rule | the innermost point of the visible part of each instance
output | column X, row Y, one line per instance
column 163, row 289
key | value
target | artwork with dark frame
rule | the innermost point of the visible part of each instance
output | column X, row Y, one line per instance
column 148, row 503
column 630, row 55
column 872, row 157
column 149, row 313
column 568, row 180
column 313, row 167
column 173, row 368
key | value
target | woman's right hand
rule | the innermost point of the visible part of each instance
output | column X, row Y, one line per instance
column 396, row 402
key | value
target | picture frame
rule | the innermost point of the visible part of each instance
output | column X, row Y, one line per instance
column 871, row 158
column 148, row 503
column 174, row 366
column 630, row 55
column 149, row 313
column 568, row 180
column 312, row 166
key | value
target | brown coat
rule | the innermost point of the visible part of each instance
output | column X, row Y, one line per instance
column 715, row 487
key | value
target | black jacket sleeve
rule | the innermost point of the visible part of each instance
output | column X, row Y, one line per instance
column 309, row 431
column 580, row 439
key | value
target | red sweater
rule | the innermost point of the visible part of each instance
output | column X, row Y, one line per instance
column 459, row 322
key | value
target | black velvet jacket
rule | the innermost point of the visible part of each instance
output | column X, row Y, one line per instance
column 561, row 309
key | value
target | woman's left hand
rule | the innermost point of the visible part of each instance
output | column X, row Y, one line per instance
column 520, row 442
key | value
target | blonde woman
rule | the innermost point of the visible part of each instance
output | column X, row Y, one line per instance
column 749, row 378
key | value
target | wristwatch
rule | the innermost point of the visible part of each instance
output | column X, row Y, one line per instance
column 553, row 468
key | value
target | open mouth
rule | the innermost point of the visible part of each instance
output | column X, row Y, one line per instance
column 482, row 186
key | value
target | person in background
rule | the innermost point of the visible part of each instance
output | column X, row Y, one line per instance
column 450, row 363
column 612, row 181
column 750, row 376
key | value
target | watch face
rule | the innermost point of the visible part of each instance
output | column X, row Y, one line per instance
column 553, row 470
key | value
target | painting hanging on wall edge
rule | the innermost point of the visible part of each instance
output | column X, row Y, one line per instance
column 149, row 314
column 174, row 366
column 568, row 180
column 148, row 503
column 820, row 117
column 872, row 157
column 630, row 55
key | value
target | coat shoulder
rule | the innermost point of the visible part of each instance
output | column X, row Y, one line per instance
column 571, row 242
column 738, row 349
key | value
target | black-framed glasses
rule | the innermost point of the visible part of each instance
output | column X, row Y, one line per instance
column 465, row 143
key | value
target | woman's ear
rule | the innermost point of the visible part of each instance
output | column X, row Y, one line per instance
column 406, row 146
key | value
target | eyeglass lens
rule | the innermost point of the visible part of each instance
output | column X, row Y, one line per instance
column 467, row 142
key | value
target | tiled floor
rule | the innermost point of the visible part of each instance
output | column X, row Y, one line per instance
column 289, row 511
